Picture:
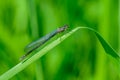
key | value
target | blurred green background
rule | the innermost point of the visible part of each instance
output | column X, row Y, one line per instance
column 80, row 57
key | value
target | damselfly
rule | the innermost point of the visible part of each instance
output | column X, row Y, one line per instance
column 35, row 44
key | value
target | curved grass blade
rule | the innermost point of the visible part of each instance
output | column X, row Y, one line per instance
column 19, row 67
column 108, row 49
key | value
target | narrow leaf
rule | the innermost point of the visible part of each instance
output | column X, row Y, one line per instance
column 19, row 67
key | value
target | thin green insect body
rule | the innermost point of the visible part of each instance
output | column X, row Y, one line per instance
column 35, row 44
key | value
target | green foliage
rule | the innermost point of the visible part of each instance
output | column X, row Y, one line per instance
column 42, row 52
column 80, row 56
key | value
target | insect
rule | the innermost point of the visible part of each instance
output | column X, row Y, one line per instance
column 35, row 44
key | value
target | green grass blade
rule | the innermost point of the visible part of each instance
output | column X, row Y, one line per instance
column 10, row 73
column 108, row 49
column 19, row 67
